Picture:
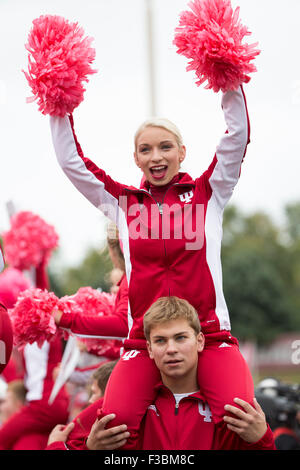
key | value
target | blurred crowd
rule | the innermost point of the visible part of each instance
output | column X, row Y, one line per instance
column 28, row 409
column 29, row 412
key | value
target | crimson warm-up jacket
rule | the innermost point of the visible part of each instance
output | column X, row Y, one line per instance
column 189, row 426
column 176, row 252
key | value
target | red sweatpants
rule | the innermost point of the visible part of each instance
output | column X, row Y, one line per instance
column 223, row 374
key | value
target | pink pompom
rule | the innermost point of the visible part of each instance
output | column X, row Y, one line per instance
column 59, row 61
column 93, row 302
column 28, row 241
column 32, row 319
column 12, row 283
column 211, row 36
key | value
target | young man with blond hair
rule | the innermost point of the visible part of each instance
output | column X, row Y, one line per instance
column 180, row 418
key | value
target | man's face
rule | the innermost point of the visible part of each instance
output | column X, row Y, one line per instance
column 174, row 346
column 96, row 392
column 9, row 406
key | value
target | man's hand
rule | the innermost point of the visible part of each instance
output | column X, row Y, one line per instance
column 249, row 424
column 60, row 433
column 106, row 439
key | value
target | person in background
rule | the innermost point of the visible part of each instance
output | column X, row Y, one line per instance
column 99, row 380
column 36, row 417
column 74, row 436
column 13, row 401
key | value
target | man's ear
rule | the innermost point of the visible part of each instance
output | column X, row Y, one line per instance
column 200, row 341
column 149, row 350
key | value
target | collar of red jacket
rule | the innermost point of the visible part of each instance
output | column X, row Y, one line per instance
column 184, row 179
column 164, row 391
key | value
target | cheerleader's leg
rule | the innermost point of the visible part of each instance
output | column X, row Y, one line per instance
column 223, row 375
column 129, row 392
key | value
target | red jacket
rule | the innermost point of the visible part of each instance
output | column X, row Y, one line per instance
column 190, row 427
column 176, row 252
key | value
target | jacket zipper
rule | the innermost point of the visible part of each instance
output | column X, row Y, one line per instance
column 173, row 185
column 177, row 404
column 160, row 209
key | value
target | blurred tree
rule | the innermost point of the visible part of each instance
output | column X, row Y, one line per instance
column 292, row 213
column 93, row 271
column 257, row 277
column 292, row 230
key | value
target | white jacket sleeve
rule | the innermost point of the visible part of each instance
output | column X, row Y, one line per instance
column 232, row 147
column 99, row 188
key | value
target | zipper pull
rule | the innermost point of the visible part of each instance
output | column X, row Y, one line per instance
column 176, row 409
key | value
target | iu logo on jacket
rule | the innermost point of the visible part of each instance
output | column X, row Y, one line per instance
column 130, row 355
column 186, row 197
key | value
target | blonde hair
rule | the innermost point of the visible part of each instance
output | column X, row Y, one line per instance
column 167, row 309
column 164, row 124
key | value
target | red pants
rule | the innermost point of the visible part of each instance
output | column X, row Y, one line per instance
column 223, row 374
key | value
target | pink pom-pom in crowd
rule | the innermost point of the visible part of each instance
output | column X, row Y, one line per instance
column 93, row 302
column 28, row 241
column 59, row 61
column 211, row 37
column 33, row 321
column 32, row 318
column 12, row 283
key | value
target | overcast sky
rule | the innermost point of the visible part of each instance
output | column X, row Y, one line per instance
column 117, row 101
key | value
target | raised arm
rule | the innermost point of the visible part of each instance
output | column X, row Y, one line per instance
column 224, row 172
column 101, row 190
